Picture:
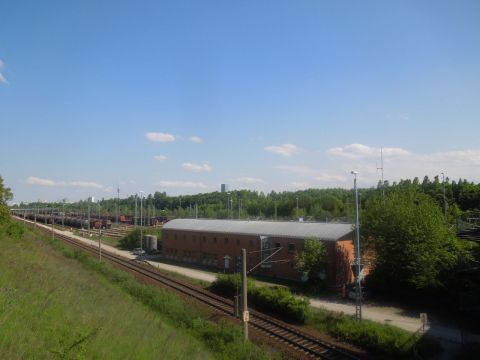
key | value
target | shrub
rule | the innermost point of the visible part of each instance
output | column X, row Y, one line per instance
column 131, row 240
column 15, row 229
column 274, row 300
column 377, row 338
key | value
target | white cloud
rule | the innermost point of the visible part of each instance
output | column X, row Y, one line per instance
column 195, row 139
column 331, row 178
column 160, row 157
column 205, row 167
column 284, row 150
column 32, row 180
column 360, row 151
column 2, row 77
column 296, row 169
column 159, row 137
column 85, row 184
column 249, row 180
column 300, row 185
column 398, row 164
column 182, row 184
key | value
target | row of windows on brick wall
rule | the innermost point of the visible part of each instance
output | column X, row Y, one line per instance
column 291, row 246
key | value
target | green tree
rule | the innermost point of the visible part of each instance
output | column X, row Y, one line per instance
column 412, row 245
column 313, row 261
column 5, row 195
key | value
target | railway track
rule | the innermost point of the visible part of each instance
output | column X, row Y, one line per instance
column 305, row 345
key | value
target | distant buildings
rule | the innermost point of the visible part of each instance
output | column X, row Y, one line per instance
column 224, row 188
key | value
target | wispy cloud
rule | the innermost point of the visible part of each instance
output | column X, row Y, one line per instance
column 296, row 169
column 160, row 157
column 195, row 139
column 300, row 185
column 33, row 180
column 249, row 180
column 159, row 137
column 2, row 77
column 360, row 151
column 284, row 150
column 205, row 167
column 331, row 178
column 182, row 184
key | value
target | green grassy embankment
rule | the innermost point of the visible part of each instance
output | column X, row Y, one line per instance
column 56, row 302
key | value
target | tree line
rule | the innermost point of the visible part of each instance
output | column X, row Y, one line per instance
column 462, row 200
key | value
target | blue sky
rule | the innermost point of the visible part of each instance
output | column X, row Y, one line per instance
column 181, row 96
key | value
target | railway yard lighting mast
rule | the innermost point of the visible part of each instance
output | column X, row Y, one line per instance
column 141, row 219
column 118, row 204
column 135, row 218
column 358, row 305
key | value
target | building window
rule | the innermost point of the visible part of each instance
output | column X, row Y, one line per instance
column 214, row 240
column 277, row 245
column 291, row 248
column 166, row 236
column 226, row 240
column 194, row 238
column 204, row 239
column 184, row 237
column 175, row 236
column 238, row 241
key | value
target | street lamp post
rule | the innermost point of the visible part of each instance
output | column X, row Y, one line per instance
column 358, row 305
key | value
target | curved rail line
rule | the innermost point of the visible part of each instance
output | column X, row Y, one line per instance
column 304, row 344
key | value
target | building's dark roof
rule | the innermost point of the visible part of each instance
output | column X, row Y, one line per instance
column 322, row 231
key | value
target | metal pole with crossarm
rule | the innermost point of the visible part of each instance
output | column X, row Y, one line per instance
column 245, row 315
column 358, row 304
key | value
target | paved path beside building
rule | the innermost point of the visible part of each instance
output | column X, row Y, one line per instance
column 370, row 311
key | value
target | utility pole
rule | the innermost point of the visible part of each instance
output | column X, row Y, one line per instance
column 275, row 202
column 245, row 314
column 63, row 211
column 135, row 219
column 358, row 304
column 141, row 219
column 196, row 211
column 53, row 231
column 88, row 226
column 118, row 204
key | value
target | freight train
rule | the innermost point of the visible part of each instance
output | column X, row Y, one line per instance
column 70, row 221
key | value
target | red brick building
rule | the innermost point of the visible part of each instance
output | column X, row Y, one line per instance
column 217, row 244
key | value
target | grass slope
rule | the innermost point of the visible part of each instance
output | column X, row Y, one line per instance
column 52, row 306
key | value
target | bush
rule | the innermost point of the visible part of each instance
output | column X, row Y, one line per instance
column 131, row 240
column 377, row 338
column 273, row 300
column 15, row 229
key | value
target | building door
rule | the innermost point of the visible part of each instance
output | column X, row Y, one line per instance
column 226, row 259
